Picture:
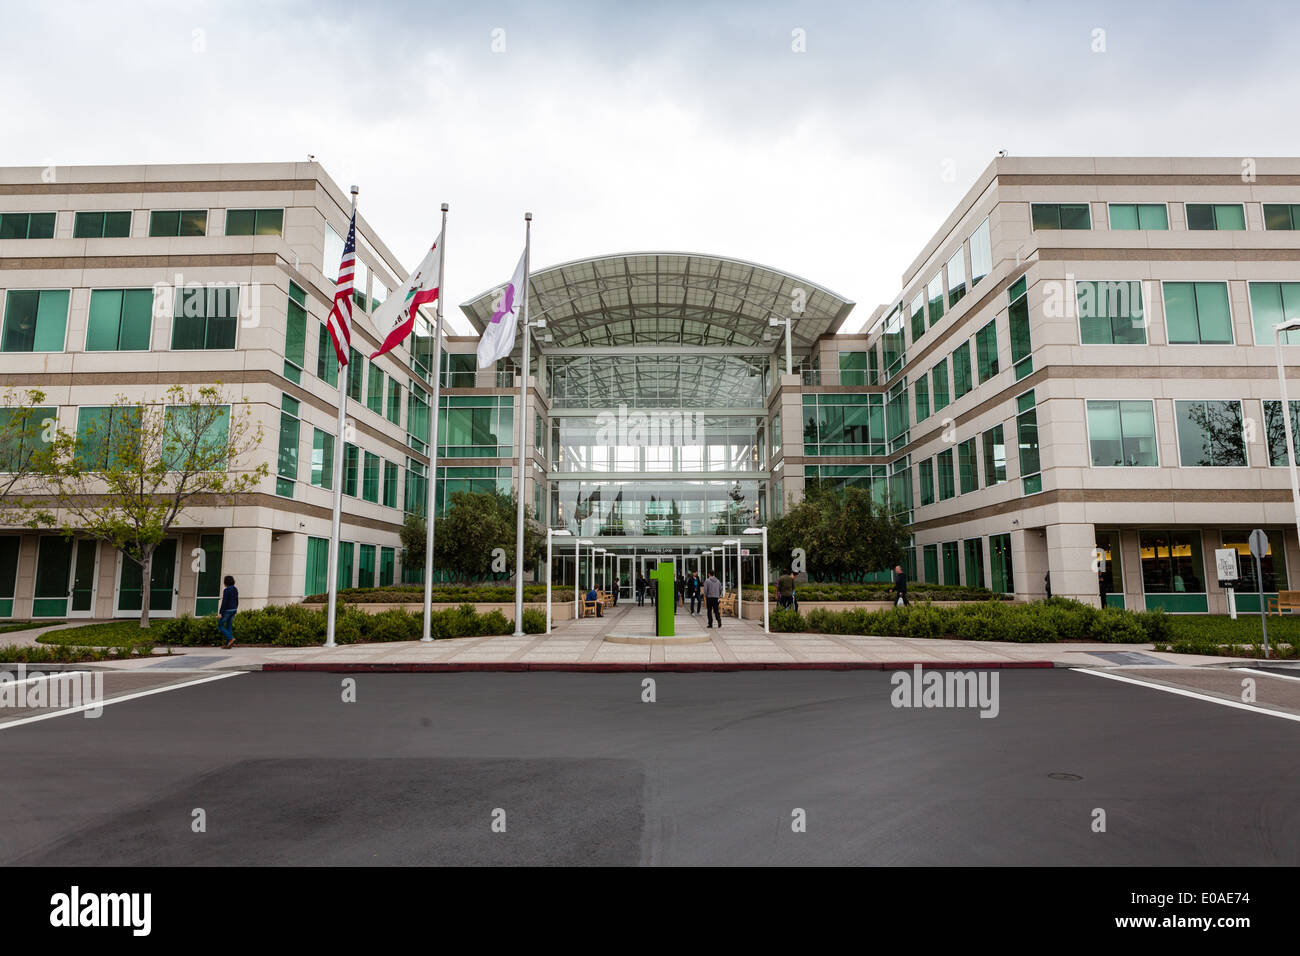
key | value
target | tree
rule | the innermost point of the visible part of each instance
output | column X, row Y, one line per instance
column 478, row 523
column 413, row 534
column 842, row 532
column 28, row 433
column 133, row 468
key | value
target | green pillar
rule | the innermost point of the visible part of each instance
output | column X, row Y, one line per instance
column 667, row 604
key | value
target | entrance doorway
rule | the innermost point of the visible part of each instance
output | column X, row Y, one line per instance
column 85, row 575
column 162, row 583
column 626, row 576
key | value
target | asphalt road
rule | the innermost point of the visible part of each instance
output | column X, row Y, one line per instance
column 584, row 772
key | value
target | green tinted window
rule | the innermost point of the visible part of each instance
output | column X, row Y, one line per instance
column 947, row 483
column 925, row 474
column 394, row 401
column 322, row 459
column 102, row 225
column 119, row 320
column 375, row 390
column 968, row 466
column 922, row 398
column 178, row 222
column 1197, row 313
column 1210, row 434
column 254, row 222
column 995, row 456
column 939, row 384
column 327, row 363
column 1110, row 313
column 27, row 225
column 1276, row 429
column 1061, row 215
column 35, row 321
column 1122, row 434
column 934, row 292
column 295, row 334
column 1281, row 215
column 1126, row 216
column 205, row 317
column 370, row 478
column 961, row 371
column 986, row 351
column 351, row 466
column 1272, row 303
column 390, row 485
column 1221, row 216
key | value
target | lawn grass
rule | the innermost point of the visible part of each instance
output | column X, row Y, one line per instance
column 8, row 626
column 110, row 634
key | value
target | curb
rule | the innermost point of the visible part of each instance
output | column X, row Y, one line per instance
column 513, row 667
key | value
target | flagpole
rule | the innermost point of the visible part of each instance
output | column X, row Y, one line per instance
column 337, row 519
column 523, row 439
column 433, row 436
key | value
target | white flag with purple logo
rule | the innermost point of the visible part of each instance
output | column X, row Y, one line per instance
column 498, row 338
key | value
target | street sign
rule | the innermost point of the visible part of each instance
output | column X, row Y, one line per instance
column 1225, row 560
column 1259, row 544
column 744, row 552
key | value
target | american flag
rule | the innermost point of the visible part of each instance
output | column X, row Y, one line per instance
column 340, row 319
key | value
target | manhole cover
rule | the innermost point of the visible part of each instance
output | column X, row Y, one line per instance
column 1065, row 776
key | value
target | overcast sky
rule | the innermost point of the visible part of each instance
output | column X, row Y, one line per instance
column 685, row 126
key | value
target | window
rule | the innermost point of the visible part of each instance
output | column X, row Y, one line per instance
column 351, row 466
column 476, row 426
column 417, row 488
column 1018, row 320
column 995, row 456
column 327, row 363
column 1270, row 304
column 947, row 485
column 184, row 449
column 853, row 368
column 178, row 222
column 27, row 225
column 968, row 467
column 981, row 254
column 844, row 424
column 956, row 278
column 1210, row 434
column 35, row 321
column 257, row 222
column 1172, row 564
column 390, row 485
column 295, row 334
column 417, row 418
column 318, row 566
column 102, row 225
column 986, row 351
column 1144, row 215
column 1197, row 313
column 1122, row 433
column 386, row 557
column 375, row 390
column 930, row 563
column 873, row 366
column 205, row 318
column 897, row 418
column 25, row 432
column 356, row 374
column 333, row 250
column 774, row 434
column 925, row 474
column 1110, row 313
column 459, row 369
column 103, row 433
column 934, row 291
column 1110, row 570
column 939, row 384
column 893, row 342
column 120, row 320
column 394, row 401
column 1281, row 215
column 1272, row 566
column 1000, row 563
column 345, row 565
column 951, row 574
column 370, row 478
column 1027, row 437
column 918, row 316
column 1230, row 216
column 974, row 552
column 1276, row 430
column 366, row 566
column 961, row 371
column 1053, row 215
column 322, row 459
column 286, row 472
column 922, row 399
column 474, row 478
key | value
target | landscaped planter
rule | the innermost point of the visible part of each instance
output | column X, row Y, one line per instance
column 559, row 611
column 753, row 610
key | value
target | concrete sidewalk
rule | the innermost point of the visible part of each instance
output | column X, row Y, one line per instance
column 580, row 644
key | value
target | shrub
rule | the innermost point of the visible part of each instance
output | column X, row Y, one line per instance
column 1157, row 624
column 980, row 622
column 175, row 631
column 923, row 620
column 395, row 625
column 494, row 622
column 787, row 620
column 1117, row 626
column 534, row 621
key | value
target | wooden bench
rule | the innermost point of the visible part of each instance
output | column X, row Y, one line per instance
column 589, row 608
column 727, row 604
column 1285, row 601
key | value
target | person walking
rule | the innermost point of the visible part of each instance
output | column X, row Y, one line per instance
column 785, row 589
column 640, row 590
column 226, row 612
column 900, row 584
column 712, row 593
column 697, row 599
column 679, row 592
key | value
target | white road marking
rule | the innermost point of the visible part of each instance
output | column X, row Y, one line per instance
column 45, row 676
column 117, row 700
column 1191, row 693
column 1251, row 670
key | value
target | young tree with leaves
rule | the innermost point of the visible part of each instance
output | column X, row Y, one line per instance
column 133, row 468
column 843, row 532
column 28, row 434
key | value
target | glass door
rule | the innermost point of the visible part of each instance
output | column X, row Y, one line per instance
column 85, row 572
column 626, row 573
column 162, row 583
column 53, row 567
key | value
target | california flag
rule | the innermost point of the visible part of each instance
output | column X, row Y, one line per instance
column 499, row 335
column 396, row 317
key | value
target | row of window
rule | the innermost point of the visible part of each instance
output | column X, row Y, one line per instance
column 116, row 223
column 360, row 565
column 1230, row 216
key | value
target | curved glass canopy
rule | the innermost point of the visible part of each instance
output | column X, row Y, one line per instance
column 672, row 299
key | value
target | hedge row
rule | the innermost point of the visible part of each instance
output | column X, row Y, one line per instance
column 298, row 626
column 444, row 594
column 1055, row 619
column 881, row 592
column 66, row 653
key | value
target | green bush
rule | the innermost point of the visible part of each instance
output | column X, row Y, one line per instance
column 1117, row 626
column 534, row 621
column 787, row 620
column 1157, row 624
column 980, row 622
column 494, row 622
column 395, row 625
column 922, row 620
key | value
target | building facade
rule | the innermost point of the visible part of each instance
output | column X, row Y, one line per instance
column 1076, row 385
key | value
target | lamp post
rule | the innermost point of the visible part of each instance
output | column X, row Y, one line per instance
column 763, row 532
column 551, row 533
column 739, row 580
column 577, row 575
column 1287, row 326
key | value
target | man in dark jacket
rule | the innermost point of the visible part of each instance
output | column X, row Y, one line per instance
column 226, row 612
column 712, row 594
column 900, row 583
